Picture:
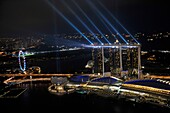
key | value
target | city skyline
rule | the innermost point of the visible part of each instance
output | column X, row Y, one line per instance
column 29, row 16
column 97, row 55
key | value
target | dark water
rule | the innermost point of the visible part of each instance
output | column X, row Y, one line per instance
column 36, row 98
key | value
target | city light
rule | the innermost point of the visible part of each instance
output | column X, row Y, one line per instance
column 70, row 55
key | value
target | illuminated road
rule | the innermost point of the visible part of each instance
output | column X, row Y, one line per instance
column 157, row 76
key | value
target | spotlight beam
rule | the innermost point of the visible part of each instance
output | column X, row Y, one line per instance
column 117, row 20
column 106, row 20
column 107, row 27
column 91, row 21
column 67, row 20
column 73, row 12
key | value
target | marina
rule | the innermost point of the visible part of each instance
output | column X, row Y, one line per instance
column 145, row 91
column 37, row 98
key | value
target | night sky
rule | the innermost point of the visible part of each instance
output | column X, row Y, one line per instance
column 37, row 16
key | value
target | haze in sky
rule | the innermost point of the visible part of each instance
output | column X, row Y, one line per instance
column 37, row 16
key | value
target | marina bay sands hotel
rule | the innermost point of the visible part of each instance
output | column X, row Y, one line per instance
column 119, row 60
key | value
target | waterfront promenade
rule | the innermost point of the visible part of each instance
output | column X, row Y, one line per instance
column 69, row 75
column 35, row 97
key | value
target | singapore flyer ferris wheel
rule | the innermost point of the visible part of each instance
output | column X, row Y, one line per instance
column 23, row 61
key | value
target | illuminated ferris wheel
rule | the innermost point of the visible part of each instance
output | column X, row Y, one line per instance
column 22, row 62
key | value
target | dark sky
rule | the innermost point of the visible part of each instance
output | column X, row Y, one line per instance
column 37, row 16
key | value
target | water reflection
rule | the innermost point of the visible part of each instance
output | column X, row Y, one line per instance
column 37, row 98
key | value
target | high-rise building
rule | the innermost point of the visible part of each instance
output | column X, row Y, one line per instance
column 119, row 60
